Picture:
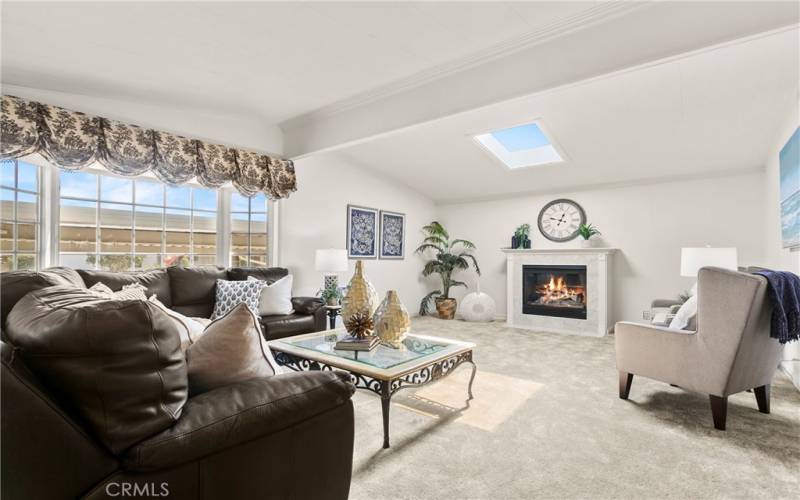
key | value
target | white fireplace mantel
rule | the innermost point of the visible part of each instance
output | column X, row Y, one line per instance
column 598, row 262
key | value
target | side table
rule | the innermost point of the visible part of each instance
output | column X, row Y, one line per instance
column 333, row 311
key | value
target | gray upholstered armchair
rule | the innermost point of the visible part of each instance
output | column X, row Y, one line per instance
column 730, row 352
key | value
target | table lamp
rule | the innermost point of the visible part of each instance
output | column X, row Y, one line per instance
column 331, row 261
column 692, row 259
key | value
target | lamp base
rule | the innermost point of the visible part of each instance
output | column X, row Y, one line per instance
column 331, row 281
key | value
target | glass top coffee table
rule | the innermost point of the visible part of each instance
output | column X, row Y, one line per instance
column 421, row 360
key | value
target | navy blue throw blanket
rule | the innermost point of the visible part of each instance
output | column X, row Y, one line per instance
column 784, row 293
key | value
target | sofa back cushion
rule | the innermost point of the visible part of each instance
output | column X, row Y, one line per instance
column 193, row 289
column 115, row 363
column 156, row 282
column 268, row 274
column 15, row 284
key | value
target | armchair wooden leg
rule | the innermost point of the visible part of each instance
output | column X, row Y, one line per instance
column 625, row 380
column 719, row 411
column 762, row 398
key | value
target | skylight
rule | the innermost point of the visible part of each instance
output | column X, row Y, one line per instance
column 521, row 146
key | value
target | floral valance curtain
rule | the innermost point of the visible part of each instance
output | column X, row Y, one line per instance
column 73, row 140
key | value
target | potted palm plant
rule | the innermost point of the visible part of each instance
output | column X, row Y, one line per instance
column 447, row 257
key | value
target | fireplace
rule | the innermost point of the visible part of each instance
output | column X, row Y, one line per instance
column 558, row 291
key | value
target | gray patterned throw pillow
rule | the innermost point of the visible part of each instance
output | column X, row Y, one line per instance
column 232, row 293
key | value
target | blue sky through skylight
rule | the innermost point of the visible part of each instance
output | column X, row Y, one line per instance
column 522, row 137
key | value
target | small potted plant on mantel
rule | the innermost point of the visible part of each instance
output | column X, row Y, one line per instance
column 448, row 256
column 521, row 238
column 587, row 232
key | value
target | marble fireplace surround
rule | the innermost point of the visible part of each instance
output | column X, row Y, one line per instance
column 598, row 262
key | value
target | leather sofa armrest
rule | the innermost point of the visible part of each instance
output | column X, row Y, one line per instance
column 235, row 414
column 46, row 453
column 665, row 302
column 306, row 305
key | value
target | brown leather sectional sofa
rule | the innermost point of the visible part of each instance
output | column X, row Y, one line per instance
column 187, row 290
column 287, row 436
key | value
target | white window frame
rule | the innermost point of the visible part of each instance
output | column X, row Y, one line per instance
column 50, row 216
column 40, row 251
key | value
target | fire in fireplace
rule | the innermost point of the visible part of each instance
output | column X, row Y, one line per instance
column 554, row 291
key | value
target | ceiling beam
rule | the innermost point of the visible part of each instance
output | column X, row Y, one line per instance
column 610, row 38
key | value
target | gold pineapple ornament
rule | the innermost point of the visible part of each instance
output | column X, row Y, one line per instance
column 361, row 295
column 391, row 320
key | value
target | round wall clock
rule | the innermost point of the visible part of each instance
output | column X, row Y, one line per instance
column 560, row 219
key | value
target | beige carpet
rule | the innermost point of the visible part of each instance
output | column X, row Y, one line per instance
column 546, row 422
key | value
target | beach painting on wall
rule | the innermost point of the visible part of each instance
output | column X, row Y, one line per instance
column 790, row 192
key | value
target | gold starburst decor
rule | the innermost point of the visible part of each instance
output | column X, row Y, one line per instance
column 391, row 321
column 361, row 295
column 359, row 325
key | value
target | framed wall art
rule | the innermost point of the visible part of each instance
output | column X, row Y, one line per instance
column 362, row 232
column 392, row 235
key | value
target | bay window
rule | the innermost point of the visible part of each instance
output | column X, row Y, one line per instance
column 93, row 219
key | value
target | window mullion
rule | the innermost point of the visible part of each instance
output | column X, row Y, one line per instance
column 272, row 232
column 50, row 215
column 224, row 227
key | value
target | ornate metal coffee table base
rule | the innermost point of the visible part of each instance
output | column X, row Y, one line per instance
column 387, row 388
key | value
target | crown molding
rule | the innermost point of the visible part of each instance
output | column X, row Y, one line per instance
column 592, row 16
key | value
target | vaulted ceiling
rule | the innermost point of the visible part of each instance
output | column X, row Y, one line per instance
column 712, row 112
column 273, row 59
column 631, row 91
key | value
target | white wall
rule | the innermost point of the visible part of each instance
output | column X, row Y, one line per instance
column 649, row 223
column 776, row 256
column 316, row 217
column 244, row 132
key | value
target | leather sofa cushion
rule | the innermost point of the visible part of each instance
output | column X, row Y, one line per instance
column 306, row 305
column 16, row 284
column 193, row 289
column 238, row 413
column 276, row 327
column 117, row 364
column 156, row 281
column 268, row 274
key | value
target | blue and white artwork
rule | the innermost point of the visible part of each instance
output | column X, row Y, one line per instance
column 790, row 191
column 362, row 232
column 393, row 234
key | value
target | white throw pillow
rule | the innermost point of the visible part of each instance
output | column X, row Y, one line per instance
column 134, row 291
column 276, row 298
column 189, row 329
column 685, row 314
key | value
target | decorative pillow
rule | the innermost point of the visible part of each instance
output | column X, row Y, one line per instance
column 276, row 297
column 117, row 362
column 232, row 349
column 685, row 314
column 133, row 291
column 232, row 293
column 189, row 328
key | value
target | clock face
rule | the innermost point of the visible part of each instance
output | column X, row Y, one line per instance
column 559, row 220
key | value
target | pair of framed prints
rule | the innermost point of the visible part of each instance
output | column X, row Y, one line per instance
column 373, row 233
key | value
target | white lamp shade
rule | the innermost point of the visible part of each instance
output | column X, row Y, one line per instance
column 692, row 259
column 331, row 260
